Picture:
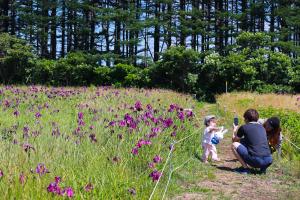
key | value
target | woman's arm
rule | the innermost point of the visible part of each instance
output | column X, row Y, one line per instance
column 278, row 146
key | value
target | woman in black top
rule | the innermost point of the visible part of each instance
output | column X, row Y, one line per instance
column 250, row 144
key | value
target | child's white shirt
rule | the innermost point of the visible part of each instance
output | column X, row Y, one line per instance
column 208, row 135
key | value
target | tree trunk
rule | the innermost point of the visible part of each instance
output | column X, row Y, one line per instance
column 182, row 22
column 218, row 26
column 244, row 21
column 169, row 29
column 53, row 31
column 156, row 33
column 4, row 13
column 44, row 29
column 63, row 29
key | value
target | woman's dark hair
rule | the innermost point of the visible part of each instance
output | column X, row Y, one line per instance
column 273, row 134
column 251, row 115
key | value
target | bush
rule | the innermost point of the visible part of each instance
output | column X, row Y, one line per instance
column 173, row 69
column 126, row 75
column 273, row 88
column 102, row 76
column 42, row 72
column 15, row 57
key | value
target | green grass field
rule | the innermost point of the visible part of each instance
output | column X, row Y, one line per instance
column 103, row 143
column 106, row 143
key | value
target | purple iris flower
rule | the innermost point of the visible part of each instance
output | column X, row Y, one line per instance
column 16, row 113
column 180, row 115
column 149, row 107
column 122, row 123
column 135, row 151
column 22, row 178
column 156, row 130
column 69, row 192
column 157, row 159
column 168, row 122
column 173, row 134
column 89, row 187
column 132, row 191
column 41, row 169
column 138, row 106
column 155, row 175
column 112, row 123
column 80, row 115
column 38, row 115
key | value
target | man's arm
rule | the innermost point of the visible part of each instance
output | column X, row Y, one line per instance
column 235, row 138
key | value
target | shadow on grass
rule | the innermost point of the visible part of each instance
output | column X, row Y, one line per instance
column 228, row 169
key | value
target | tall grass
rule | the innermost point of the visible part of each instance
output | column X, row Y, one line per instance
column 98, row 154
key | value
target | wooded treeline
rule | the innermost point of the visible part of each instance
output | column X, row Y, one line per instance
column 139, row 30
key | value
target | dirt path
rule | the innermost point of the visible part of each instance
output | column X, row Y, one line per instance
column 231, row 185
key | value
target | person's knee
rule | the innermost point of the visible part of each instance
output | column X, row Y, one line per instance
column 235, row 145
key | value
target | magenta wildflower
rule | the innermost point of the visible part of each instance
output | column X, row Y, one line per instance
column 132, row 191
column 1, row 173
column 25, row 129
column 22, row 178
column 133, row 125
column 69, row 192
column 38, row 115
column 93, row 137
column 171, row 147
column 41, row 169
column 27, row 147
column 173, row 134
column 54, row 188
column 155, row 175
column 88, row 187
column 172, row 107
column 151, row 165
column 112, row 123
column 151, row 135
column 81, row 123
column 157, row 159
column 80, row 115
column 180, row 115
column 57, row 179
column 120, row 136
column 92, row 127
column 128, row 118
column 16, row 113
column 122, row 123
column 168, row 122
column 149, row 107
column 138, row 106
column 156, row 130
column 135, row 151
column 189, row 114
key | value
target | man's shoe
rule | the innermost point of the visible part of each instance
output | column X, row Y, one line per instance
column 242, row 170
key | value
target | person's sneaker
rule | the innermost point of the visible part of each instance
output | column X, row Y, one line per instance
column 216, row 160
column 262, row 171
column 242, row 170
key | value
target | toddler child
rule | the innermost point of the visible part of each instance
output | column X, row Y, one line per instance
column 211, row 136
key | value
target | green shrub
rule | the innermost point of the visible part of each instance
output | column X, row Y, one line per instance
column 102, row 76
column 272, row 88
column 15, row 57
column 173, row 69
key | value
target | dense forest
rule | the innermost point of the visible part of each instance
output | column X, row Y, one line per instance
column 142, row 34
